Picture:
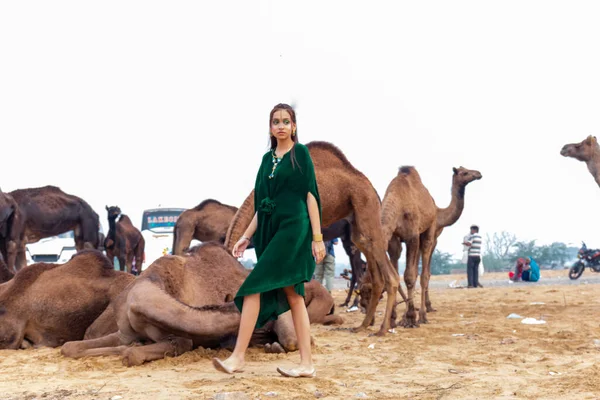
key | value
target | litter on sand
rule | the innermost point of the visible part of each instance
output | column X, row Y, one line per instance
column 458, row 334
column 532, row 321
column 536, row 302
column 352, row 309
column 514, row 316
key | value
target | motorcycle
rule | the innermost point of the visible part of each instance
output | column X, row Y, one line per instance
column 586, row 258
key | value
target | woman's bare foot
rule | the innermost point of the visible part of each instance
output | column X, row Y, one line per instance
column 301, row 371
column 228, row 366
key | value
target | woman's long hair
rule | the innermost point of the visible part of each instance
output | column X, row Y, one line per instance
column 273, row 139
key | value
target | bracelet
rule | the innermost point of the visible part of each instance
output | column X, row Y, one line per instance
column 318, row 238
column 245, row 237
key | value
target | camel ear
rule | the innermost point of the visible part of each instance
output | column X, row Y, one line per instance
column 455, row 170
column 228, row 298
column 106, row 208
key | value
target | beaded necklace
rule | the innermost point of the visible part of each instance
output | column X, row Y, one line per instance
column 277, row 161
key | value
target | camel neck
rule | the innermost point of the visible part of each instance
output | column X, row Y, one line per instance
column 594, row 167
column 449, row 215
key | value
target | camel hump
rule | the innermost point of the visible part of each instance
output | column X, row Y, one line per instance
column 125, row 218
column 93, row 257
column 24, row 279
column 205, row 203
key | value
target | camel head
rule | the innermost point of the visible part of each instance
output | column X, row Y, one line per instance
column 582, row 151
column 113, row 212
column 463, row 176
column 11, row 333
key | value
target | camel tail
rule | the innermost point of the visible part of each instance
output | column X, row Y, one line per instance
column 166, row 312
column 240, row 221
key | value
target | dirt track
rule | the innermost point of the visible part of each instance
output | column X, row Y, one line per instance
column 494, row 357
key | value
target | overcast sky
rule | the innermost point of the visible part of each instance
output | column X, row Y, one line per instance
column 144, row 103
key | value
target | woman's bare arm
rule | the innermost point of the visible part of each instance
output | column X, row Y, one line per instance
column 252, row 227
column 313, row 214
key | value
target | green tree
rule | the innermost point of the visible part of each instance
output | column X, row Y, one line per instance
column 443, row 263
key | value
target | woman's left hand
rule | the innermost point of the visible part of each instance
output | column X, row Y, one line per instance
column 318, row 250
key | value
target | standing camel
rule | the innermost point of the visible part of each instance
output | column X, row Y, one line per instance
column 123, row 241
column 345, row 192
column 11, row 234
column 48, row 211
column 587, row 151
column 208, row 221
column 409, row 215
column 443, row 217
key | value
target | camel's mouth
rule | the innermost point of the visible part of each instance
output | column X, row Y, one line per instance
column 566, row 151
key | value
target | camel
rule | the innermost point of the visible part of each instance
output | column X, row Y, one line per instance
column 207, row 221
column 587, row 151
column 179, row 303
column 50, row 304
column 48, row 211
column 12, row 232
column 345, row 193
column 123, row 241
column 445, row 217
column 409, row 215
column 343, row 229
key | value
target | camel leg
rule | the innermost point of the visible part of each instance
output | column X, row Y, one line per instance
column 376, row 291
column 428, row 305
column 318, row 310
column 110, row 255
column 427, row 244
column 129, row 261
column 395, row 252
column 171, row 346
column 11, row 260
column 122, row 263
column 103, row 346
column 410, row 278
column 139, row 255
column 352, row 283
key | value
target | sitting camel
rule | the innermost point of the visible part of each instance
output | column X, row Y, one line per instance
column 123, row 241
column 49, row 304
column 179, row 303
column 48, row 211
column 587, row 151
column 345, row 193
column 206, row 222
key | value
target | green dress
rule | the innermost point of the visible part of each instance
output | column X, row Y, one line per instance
column 283, row 237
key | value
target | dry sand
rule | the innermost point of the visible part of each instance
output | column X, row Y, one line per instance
column 494, row 357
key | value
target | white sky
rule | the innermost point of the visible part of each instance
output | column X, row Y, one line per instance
column 146, row 103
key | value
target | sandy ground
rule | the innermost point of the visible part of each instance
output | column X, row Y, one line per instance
column 469, row 350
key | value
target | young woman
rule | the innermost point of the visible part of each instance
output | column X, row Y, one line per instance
column 287, row 238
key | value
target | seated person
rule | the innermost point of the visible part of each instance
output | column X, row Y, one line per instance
column 516, row 276
column 531, row 270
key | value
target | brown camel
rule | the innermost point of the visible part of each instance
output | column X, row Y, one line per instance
column 345, row 192
column 207, row 221
column 12, row 231
column 180, row 303
column 49, row 304
column 123, row 241
column 461, row 177
column 587, row 151
column 409, row 215
column 48, row 211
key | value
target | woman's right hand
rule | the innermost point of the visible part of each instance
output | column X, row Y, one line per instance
column 239, row 247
